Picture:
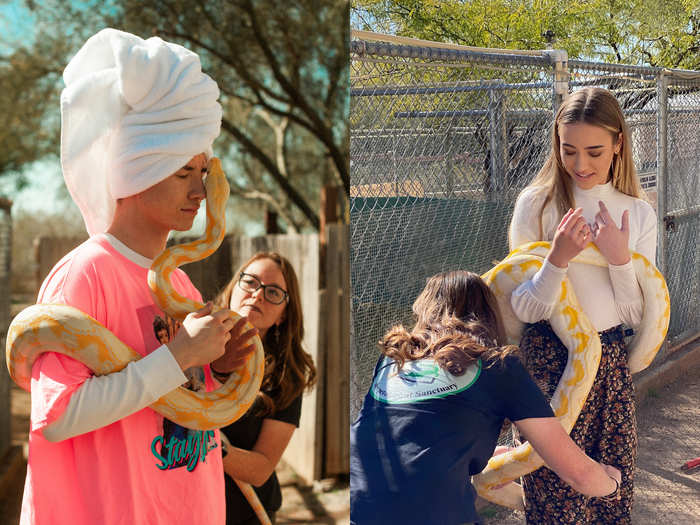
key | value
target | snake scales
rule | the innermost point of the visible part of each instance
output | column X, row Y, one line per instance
column 572, row 326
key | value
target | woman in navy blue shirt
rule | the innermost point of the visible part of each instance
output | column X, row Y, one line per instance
column 438, row 399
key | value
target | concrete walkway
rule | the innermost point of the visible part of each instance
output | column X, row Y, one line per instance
column 669, row 435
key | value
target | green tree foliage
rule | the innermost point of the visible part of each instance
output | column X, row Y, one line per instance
column 664, row 33
column 283, row 75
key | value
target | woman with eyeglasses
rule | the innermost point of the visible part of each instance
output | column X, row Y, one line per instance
column 266, row 291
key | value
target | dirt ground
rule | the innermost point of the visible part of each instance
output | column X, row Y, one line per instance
column 668, row 437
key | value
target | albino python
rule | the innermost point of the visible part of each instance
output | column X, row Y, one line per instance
column 495, row 482
column 67, row 330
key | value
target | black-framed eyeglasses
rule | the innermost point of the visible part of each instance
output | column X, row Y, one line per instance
column 272, row 293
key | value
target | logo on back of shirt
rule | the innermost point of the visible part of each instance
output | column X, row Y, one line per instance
column 418, row 381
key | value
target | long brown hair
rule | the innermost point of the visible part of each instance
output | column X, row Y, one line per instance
column 288, row 368
column 457, row 323
column 598, row 107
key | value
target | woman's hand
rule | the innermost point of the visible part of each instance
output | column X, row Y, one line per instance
column 611, row 240
column 614, row 474
column 501, row 449
column 237, row 348
column 571, row 237
column 566, row 459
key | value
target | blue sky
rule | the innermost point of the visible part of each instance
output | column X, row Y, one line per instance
column 16, row 22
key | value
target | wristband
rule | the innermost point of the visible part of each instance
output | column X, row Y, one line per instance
column 222, row 377
column 614, row 495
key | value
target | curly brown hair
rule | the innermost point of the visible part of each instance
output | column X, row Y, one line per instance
column 288, row 368
column 457, row 323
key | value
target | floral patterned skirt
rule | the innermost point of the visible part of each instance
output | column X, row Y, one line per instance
column 606, row 430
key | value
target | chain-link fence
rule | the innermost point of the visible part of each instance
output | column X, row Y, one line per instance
column 442, row 142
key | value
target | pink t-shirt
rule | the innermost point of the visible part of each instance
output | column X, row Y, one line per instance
column 136, row 470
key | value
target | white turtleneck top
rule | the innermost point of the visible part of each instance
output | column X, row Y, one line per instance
column 609, row 296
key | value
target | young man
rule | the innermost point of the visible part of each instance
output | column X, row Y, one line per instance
column 138, row 121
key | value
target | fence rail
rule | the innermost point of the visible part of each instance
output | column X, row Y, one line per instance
column 444, row 139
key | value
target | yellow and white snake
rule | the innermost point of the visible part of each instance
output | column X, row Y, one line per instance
column 572, row 326
column 67, row 330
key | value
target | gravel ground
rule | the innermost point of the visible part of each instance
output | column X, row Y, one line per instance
column 668, row 437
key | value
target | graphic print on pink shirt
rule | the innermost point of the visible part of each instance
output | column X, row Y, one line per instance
column 178, row 446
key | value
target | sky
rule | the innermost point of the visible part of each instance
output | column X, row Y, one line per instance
column 15, row 23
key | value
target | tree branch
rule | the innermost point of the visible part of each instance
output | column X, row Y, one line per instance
column 323, row 131
column 269, row 200
column 270, row 166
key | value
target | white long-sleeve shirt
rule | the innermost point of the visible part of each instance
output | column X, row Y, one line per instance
column 609, row 296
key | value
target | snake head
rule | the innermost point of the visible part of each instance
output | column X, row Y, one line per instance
column 217, row 188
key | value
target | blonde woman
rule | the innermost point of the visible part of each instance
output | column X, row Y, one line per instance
column 587, row 191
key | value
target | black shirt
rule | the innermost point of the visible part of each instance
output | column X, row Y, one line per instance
column 422, row 432
column 243, row 433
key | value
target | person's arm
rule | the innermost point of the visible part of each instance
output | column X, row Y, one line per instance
column 629, row 301
column 562, row 455
column 257, row 465
column 524, row 404
column 102, row 400
column 534, row 299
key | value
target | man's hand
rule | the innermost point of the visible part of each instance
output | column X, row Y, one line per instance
column 202, row 337
column 238, row 347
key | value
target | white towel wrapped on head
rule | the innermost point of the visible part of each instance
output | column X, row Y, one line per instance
column 133, row 112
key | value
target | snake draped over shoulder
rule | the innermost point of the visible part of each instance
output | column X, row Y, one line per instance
column 67, row 330
column 496, row 482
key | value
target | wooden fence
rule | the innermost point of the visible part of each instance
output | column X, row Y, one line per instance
column 5, row 261
column 320, row 447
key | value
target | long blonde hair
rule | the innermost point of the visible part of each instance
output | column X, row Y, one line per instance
column 598, row 107
column 288, row 368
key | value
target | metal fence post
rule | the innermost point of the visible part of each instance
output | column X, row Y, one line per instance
column 661, row 168
column 560, row 84
column 498, row 140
